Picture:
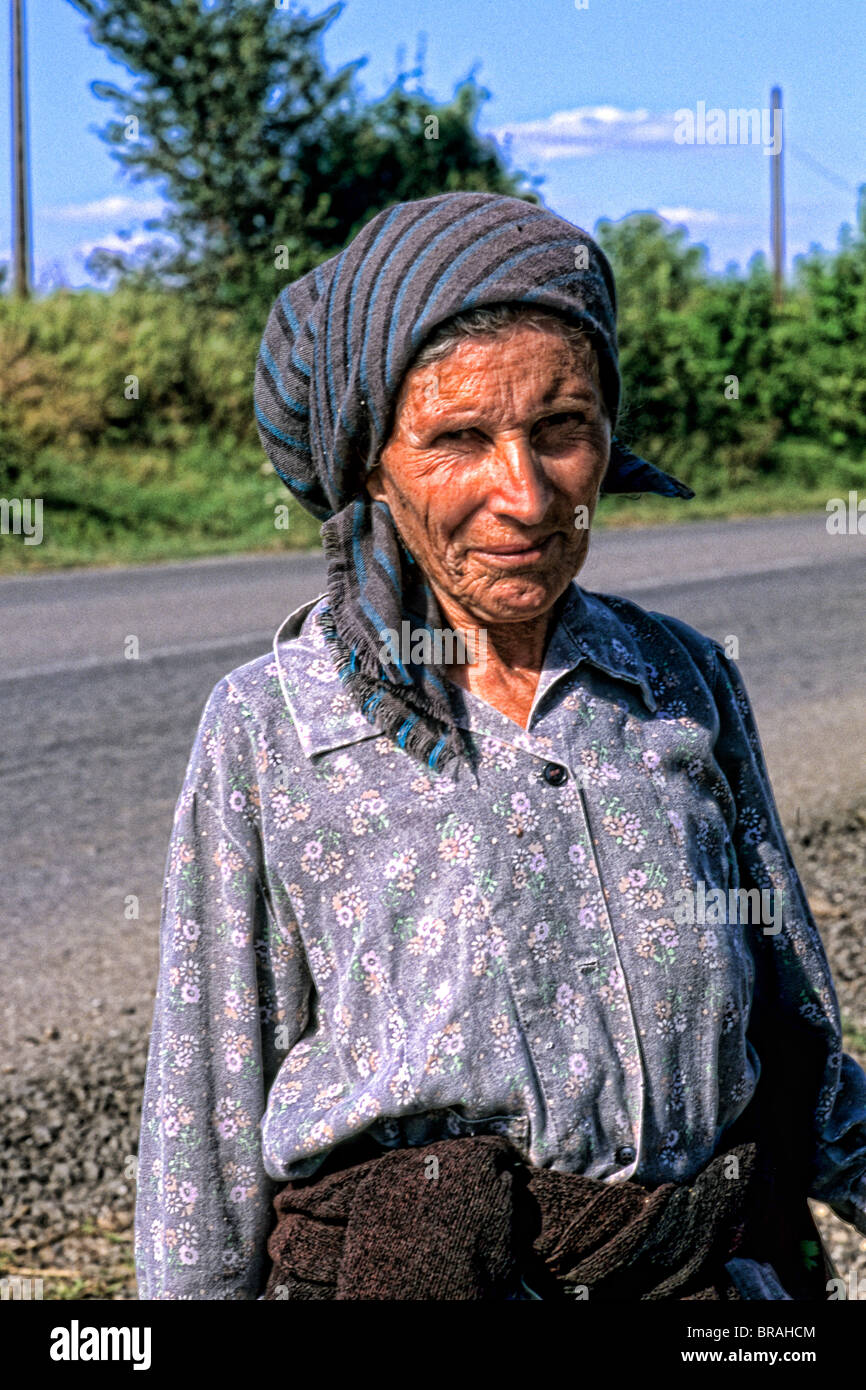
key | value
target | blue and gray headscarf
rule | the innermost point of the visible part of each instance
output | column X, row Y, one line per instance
column 336, row 347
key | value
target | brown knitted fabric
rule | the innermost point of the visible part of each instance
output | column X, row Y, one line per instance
column 387, row 1228
column 381, row 1229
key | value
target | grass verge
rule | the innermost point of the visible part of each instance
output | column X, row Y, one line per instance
column 126, row 508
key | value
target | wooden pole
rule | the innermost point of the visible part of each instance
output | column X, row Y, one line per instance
column 21, row 175
column 777, row 222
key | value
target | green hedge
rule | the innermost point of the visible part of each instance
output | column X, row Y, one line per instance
column 179, row 464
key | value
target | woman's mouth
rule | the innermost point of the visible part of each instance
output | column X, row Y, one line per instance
column 515, row 556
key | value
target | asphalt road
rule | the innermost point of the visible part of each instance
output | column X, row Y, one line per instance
column 94, row 743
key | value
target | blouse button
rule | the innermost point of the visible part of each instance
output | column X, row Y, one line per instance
column 625, row 1154
column 555, row 774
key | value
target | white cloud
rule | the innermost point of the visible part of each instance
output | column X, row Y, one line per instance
column 588, row 130
column 112, row 242
column 113, row 206
column 695, row 217
column 708, row 217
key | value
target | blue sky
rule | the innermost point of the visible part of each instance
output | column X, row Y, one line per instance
column 587, row 97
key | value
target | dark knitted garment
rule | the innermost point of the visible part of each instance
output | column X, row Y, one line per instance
column 336, row 347
column 387, row 1228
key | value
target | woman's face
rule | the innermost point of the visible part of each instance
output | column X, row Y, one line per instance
column 494, row 453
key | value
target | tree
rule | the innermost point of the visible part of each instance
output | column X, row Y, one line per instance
column 223, row 98
column 695, row 354
column 657, row 274
column 259, row 147
column 402, row 147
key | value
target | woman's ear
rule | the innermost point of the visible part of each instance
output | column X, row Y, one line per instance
column 373, row 484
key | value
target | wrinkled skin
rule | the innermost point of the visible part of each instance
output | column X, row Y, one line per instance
column 492, row 450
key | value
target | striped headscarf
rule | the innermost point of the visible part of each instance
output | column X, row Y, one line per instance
column 336, row 347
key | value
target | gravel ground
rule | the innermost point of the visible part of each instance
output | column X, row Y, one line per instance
column 70, row 1108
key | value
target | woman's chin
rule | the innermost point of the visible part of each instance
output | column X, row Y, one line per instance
column 519, row 599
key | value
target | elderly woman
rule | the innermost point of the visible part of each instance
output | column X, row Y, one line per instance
column 461, row 868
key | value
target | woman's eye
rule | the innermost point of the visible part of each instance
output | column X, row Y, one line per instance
column 471, row 435
column 565, row 417
column 460, row 436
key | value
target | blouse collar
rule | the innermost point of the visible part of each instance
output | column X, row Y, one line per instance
column 587, row 630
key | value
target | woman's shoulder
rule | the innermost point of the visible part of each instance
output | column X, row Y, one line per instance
column 261, row 686
column 289, row 702
column 660, row 634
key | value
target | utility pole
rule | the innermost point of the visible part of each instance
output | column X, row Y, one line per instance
column 21, row 178
column 777, row 217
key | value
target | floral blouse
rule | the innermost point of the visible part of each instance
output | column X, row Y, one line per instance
column 352, row 942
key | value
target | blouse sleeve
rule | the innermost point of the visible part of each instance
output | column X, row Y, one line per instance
column 800, row 973
column 232, row 998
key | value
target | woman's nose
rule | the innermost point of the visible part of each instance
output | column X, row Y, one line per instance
column 518, row 483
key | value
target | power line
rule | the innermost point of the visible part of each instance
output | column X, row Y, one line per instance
column 835, row 179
